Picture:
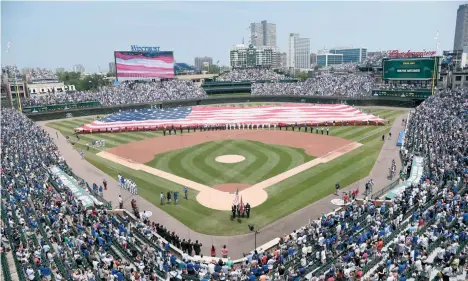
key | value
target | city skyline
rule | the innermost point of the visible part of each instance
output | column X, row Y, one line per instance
column 84, row 33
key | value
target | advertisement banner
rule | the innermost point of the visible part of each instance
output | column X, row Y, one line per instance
column 79, row 192
column 419, row 94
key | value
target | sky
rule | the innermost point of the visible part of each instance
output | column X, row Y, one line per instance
column 62, row 34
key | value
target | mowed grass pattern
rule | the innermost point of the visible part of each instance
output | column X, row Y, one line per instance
column 198, row 163
column 283, row 198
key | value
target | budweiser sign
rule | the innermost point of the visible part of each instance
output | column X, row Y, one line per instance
column 409, row 54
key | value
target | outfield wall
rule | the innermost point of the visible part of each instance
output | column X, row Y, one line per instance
column 103, row 110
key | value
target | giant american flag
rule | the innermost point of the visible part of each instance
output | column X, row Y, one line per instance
column 137, row 65
column 311, row 114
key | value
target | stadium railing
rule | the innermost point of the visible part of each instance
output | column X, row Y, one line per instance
column 385, row 190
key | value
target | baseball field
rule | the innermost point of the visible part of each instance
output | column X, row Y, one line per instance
column 277, row 172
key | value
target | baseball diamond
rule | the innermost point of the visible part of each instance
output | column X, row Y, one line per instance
column 269, row 154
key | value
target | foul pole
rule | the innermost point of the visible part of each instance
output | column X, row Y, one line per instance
column 434, row 74
column 436, row 65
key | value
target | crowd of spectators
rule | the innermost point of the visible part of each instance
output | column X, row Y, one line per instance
column 11, row 72
column 421, row 231
column 250, row 74
column 49, row 232
column 125, row 93
column 375, row 59
column 437, row 130
column 323, row 85
column 344, row 67
column 39, row 74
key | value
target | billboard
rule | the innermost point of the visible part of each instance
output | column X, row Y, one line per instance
column 418, row 94
column 143, row 65
column 409, row 69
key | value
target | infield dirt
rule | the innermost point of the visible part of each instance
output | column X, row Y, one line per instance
column 144, row 151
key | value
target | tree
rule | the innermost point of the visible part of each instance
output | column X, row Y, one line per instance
column 213, row 69
column 303, row 76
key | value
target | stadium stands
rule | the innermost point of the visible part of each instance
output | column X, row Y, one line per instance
column 125, row 93
column 42, row 74
column 419, row 233
column 375, row 59
column 323, row 85
column 250, row 75
column 11, row 72
column 345, row 67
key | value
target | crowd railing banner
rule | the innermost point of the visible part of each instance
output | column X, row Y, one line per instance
column 63, row 106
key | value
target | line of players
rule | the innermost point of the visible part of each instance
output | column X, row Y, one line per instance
column 215, row 127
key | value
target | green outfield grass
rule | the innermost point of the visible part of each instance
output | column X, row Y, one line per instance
column 262, row 161
column 283, row 198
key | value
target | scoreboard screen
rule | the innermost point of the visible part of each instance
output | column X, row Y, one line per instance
column 409, row 69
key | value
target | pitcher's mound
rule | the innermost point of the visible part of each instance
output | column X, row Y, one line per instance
column 231, row 187
column 230, row 159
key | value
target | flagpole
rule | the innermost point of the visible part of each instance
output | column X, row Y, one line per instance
column 435, row 63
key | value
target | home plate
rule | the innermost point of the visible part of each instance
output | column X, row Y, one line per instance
column 338, row 202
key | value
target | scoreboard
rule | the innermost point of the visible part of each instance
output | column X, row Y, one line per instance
column 410, row 68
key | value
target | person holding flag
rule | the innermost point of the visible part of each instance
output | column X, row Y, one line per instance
column 241, row 207
column 235, row 204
